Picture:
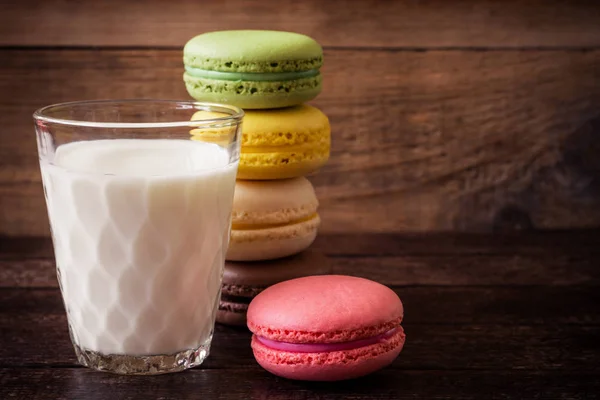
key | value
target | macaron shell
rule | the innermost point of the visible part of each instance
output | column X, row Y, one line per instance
column 231, row 317
column 324, row 309
column 237, row 290
column 291, row 126
column 222, row 135
column 282, row 164
column 329, row 366
column 266, row 273
column 271, row 243
column 273, row 202
column 253, row 51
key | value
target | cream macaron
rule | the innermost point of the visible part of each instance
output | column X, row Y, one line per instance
column 272, row 219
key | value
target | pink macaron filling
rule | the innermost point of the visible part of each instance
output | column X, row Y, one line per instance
column 326, row 347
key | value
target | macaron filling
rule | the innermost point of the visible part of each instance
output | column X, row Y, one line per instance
column 248, row 226
column 250, row 76
column 327, row 347
column 235, row 299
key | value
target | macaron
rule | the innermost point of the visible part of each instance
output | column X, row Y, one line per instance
column 253, row 69
column 326, row 328
column 217, row 133
column 242, row 281
column 277, row 144
column 284, row 143
column 272, row 219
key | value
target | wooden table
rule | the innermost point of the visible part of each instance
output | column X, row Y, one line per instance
column 503, row 316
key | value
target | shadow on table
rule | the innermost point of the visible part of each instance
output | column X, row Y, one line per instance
column 385, row 383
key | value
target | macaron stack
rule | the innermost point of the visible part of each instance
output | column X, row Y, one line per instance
column 270, row 75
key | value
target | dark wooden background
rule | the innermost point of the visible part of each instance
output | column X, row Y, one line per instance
column 447, row 115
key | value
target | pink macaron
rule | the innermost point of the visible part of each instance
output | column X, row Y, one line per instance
column 326, row 328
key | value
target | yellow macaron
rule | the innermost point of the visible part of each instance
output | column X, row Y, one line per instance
column 272, row 219
column 281, row 143
column 221, row 135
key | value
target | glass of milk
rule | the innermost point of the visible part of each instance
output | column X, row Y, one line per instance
column 140, row 217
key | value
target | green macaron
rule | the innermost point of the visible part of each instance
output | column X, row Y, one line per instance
column 253, row 69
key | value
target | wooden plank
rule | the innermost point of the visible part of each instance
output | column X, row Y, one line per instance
column 540, row 243
column 28, row 273
column 564, row 269
column 585, row 242
column 16, row 248
column 466, row 270
column 447, row 328
column 422, row 141
column 259, row 384
column 418, row 24
column 424, row 304
column 429, row 346
column 544, row 258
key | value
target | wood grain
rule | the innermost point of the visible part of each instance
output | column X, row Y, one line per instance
column 356, row 23
column 473, row 347
column 454, row 305
column 258, row 384
column 542, row 258
column 553, row 269
column 447, row 328
column 441, row 140
column 538, row 243
column 473, row 327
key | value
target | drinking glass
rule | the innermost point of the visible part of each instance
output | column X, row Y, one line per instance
column 139, row 211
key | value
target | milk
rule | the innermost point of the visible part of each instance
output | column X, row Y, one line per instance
column 140, row 230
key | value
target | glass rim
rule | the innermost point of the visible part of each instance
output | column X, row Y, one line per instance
column 236, row 114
